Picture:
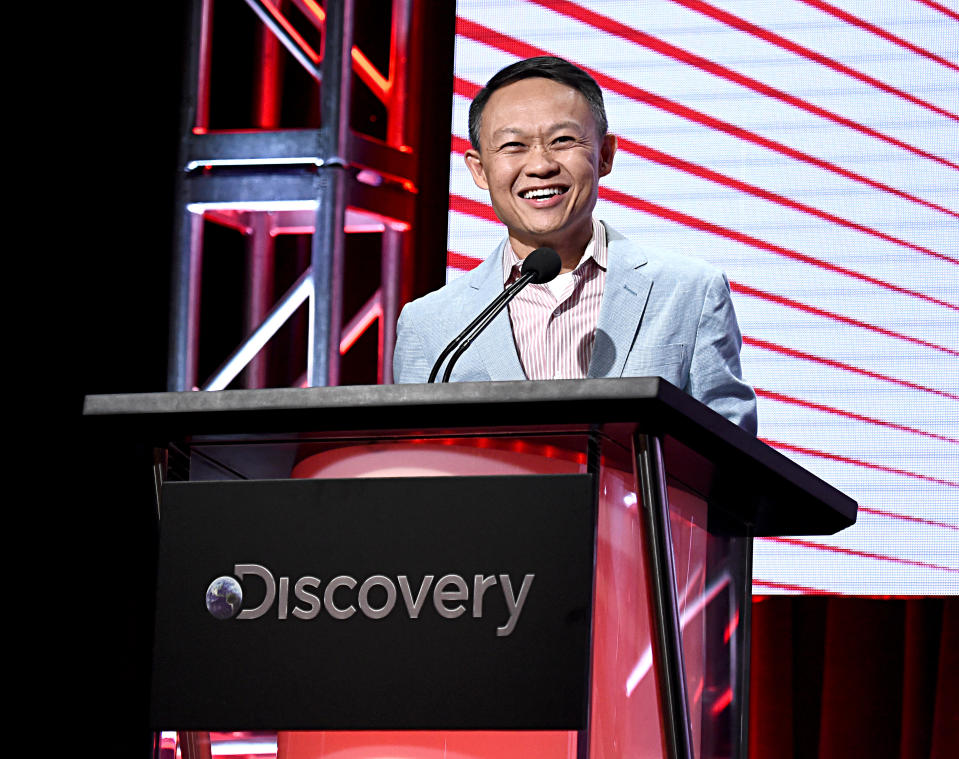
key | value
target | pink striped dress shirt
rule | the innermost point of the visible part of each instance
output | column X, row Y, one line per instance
column 554, row 325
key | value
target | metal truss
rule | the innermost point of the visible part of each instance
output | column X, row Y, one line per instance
column 326, row 181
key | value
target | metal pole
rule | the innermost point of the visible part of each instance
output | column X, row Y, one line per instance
column 185, row 299
column 394, row 242
column 665, row 630
column 259, row 291
column 188, row 227
column 287, row 35
column 390, row 273
column 276, row 318
column 594, row 466
column 743, row 638
column 396, row 111
column 329, row 236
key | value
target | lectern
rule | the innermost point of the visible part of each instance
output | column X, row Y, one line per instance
column 473, row 570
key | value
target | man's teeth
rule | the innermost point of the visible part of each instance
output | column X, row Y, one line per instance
column 544, row 193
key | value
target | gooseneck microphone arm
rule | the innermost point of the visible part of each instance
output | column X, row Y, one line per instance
column 493, row 308
column 540, row 266
column 483, row 320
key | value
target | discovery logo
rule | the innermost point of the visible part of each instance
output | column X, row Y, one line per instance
column 343, row 595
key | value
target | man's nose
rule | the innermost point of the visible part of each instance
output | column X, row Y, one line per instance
column 541, row 162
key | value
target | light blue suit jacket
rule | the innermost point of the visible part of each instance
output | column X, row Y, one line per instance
column 669, row 316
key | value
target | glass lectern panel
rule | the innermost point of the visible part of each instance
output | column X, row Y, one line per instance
column 625, row 711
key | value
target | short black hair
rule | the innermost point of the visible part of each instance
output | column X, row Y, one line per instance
column 547, row 67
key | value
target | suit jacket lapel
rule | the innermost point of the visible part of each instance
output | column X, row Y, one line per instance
column 496, row 346
column 624, row 301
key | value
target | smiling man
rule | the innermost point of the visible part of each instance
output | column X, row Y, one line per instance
column 539, row 147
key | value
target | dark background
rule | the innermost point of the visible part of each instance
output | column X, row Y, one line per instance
column 121, row 82
column 106, row 110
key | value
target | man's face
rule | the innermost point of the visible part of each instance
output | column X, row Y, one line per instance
column 541, row 158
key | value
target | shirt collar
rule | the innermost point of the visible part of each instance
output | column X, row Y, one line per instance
column 595, row 250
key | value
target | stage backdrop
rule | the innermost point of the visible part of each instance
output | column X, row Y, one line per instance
column 811, row 150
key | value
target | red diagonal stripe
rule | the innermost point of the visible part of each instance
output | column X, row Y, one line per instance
column 465, row 87
column 790, row 586
column 736, row 22
column 510, row 45
column 621, row 198
column 908, row 518
column 471, row 207
column 941, row 8
column 459, row 261
column 755, row 292
column 701, row 171
column 793, row 400
column 617, row 28
column 793, row 353
column 858, row 462
column 863, row 554
column 832, row 10
column 483, row 211
column 459, row 145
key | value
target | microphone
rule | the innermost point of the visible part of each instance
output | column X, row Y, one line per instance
column 540, row 266
column 544, row 264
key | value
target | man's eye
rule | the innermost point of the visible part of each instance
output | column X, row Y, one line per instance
column 512, row 146
column 564, row 140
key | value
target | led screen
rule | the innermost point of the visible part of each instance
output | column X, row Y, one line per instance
column 810, row 150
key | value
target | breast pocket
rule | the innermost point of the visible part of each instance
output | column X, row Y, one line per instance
column 666, row 361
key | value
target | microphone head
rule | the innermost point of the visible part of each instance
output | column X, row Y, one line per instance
column 544, row 263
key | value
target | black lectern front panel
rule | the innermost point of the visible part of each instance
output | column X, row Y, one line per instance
column 404, row 603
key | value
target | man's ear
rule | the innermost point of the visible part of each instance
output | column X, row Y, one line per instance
column 606, row 152
column 475, row 164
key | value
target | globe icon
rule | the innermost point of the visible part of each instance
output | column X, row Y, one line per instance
column 224, row 597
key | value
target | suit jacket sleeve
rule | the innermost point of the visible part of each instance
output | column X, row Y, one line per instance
column 715, row 374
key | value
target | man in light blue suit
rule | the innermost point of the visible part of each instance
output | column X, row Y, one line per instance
column 540, row 146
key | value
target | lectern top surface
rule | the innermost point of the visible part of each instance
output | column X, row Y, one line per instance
column 771, row 489
column 619, row 405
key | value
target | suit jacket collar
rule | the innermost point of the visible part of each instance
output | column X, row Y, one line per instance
column 496, row 347
column 624, row 302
